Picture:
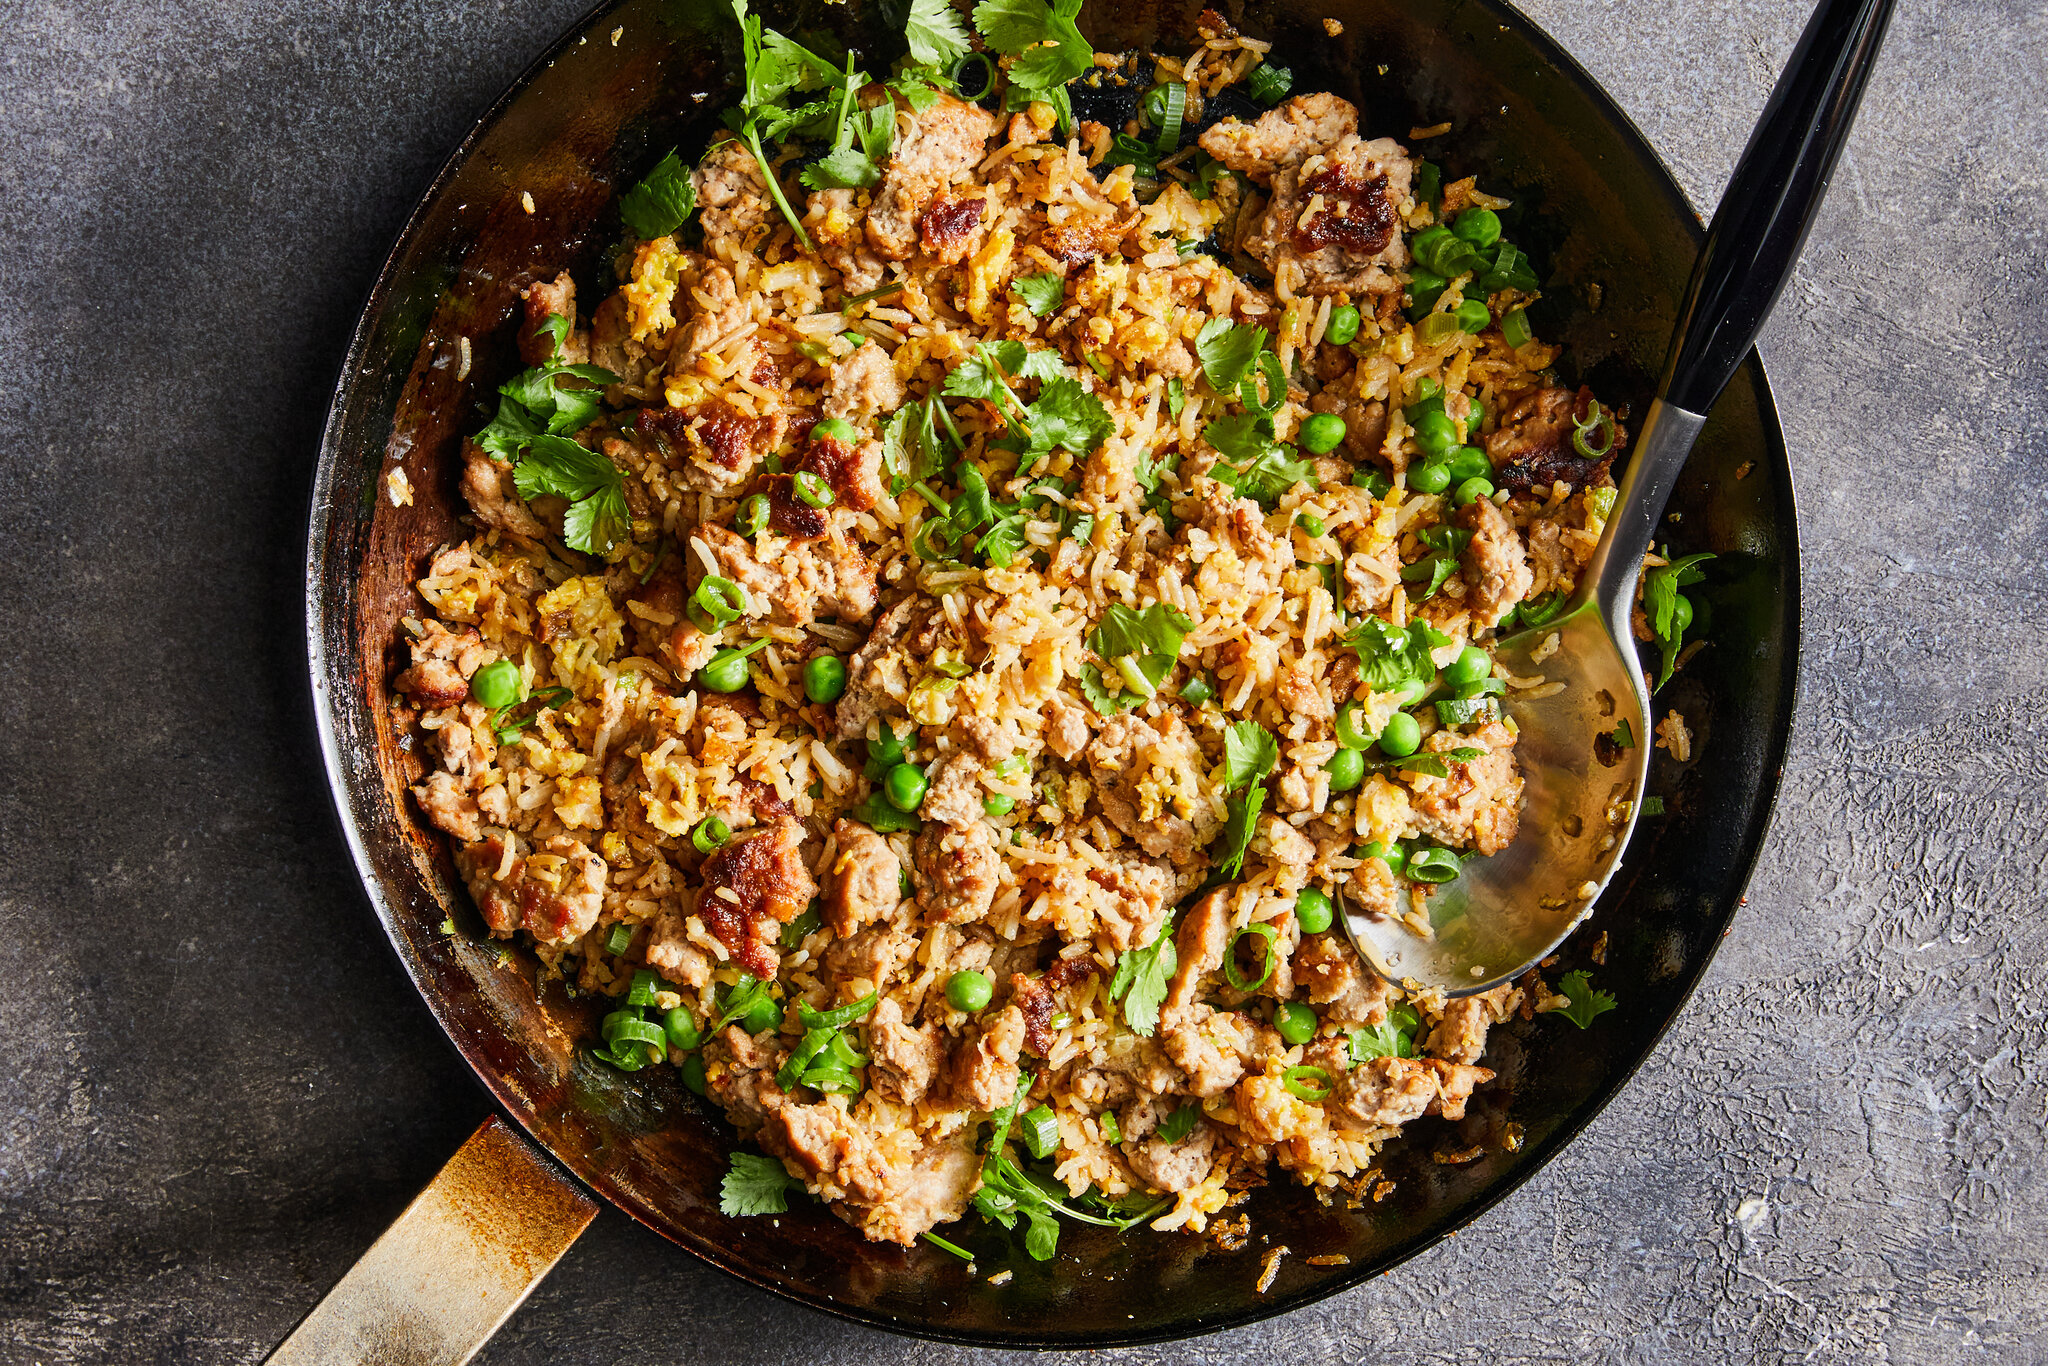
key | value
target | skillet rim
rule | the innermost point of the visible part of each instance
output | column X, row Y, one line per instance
column 324, row 664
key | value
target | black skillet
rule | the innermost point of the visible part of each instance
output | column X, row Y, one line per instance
column 1615, row 241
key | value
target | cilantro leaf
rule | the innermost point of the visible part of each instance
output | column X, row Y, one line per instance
column 1390, row 656
column 509, row 431
column 1180, row 1123
column 540, row 392
column 1051, row 50
column 936, row 33
column 755, row 1185
column 1249, row 753
column 1227, row 350
column 860, row 142
column 1040, row 293
column 1140, row 981
column 981, row 376
column 1026, row 363
column 659, row 204
column 1176, row 397
column 1238, row 830
column 1068, row 417
column 1254, row 463
column 1587, row 1003
column 597, row 518
column 1105, row 702
column 1393, row 1037
column 1660, row 607
column 910, row 445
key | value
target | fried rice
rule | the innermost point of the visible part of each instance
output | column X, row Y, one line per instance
column 1082, row 853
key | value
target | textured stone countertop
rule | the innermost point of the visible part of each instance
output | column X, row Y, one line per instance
column 217, row 1087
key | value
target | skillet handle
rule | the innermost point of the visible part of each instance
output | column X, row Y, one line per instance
column 1771, row 200
column 466, row 1253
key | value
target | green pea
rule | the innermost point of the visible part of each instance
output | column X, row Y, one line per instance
column 727, row 672
column 763, row 1014
column 496, row 684
column 1402, row 737
column 1469, row 462
column 1681, row 614
column 1197, row 690
column 1480, row 227
column 1471, row 490
column 1343, row 325
column 1322, row 433
column 1426, row 388
column 825, row 678
column 1296, row 1022
column 905, row 786
column 1432, row 476
column 1346, row 769
column 1468, row 668
column 887, row 747
column 1313, row 911
column 1474, row 417
column 835, row 429
column 693, row 1073
column 1313, row 525
column 1395, row 856
column 1002, row 804
column 969, row 990
column 1435, row 432
column 683, row 1034
column 1472, row 315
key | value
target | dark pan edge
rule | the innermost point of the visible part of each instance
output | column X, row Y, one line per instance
column 322, row 619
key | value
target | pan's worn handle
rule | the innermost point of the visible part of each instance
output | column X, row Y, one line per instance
column 462, row 1257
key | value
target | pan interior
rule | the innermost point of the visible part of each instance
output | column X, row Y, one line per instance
column 1615, row 241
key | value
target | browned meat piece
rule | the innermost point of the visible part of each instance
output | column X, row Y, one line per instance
column 1074, row 244
column 956, row 869
column 1069, row 969
column 873, row 955
column 948, row 228
column 1532, row 447
column 934, row 1190
column 1227, row 516
column 1066, row 729
column 480, row 863
column 1365, row 426
column 905, row 1058
column 1460, row 1036
column 1120, row 756
column 1390, row 1091
column 862, row 384
column 827, row 578
column 740, row 1075
column 987, row 740
column 1144, row 893
column 880, row 658
column 1337, row 200
column 1302, row 697
column 1035, row 1001
column 1349, row 992
column 754, row 885
column 1496, row 569
column 867, row 879
column 554, row 895
column 732, row 198
column 834, row 223
column 487, row 485
column 449, row 804
column 1477, row 804
column 1283, row 137
column 1211, row 1046
column 716, row 315
column 944, row 150
column 1455, row 1083
column 442, row 662
column 1370, row 580
column 956, row 793
column 1198, row 946
column 550, row 299
column 1131, row 1070
column 791, row 516
column 985, row 1068
column 1174, row 1167
column 670, row 952
column 716, row 449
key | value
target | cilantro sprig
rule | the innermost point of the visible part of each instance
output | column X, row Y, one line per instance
column 1140, row 980
column 1393, row 1037
column 755, row 1185
column 1143, row 646
column 1391, row 656
column 537, row 414
column 1249, row 753
column 936, row 33
column 1254, row 463
column 597, row 518
column 1009, row 1192
column 776, row 67
column 1587, row 1002
column 1668, row 621
column 1445, row 544
column 1227, row 351
column 1046, row 47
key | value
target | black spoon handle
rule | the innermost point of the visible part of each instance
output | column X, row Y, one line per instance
column 1771, row 200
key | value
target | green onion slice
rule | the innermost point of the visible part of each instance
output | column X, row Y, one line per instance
column 1307, row 1083
column 1268, row 368
column 753, row 515
column 716, row 602
column 618, row 939
column 1349, row 733
column 839, row 1018
column 641, row 993
column 1176, row 101
column 1599, row 420
column 1040, row 1132
column 836, row 1081
column 711, row 832
column 1432, row 865
column 1236, row 978
column 813, row 489
column 1514, row 327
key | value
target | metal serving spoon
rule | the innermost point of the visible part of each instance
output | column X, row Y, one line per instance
column 1505, row 913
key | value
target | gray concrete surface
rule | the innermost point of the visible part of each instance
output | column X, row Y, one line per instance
column 216, row 1086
